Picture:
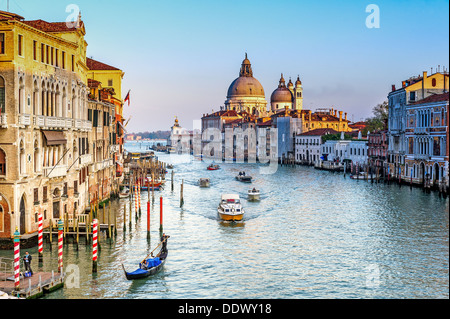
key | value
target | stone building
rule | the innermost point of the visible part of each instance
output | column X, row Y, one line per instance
column 48, row 159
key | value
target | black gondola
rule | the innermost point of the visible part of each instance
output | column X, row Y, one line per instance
column 150, row 266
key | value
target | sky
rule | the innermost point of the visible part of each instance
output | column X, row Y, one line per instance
column 179, row 57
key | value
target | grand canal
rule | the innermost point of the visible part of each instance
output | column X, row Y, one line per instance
column 314, row 234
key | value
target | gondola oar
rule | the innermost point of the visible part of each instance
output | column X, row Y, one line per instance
column 154, row 250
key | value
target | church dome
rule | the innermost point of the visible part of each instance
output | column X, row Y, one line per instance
column 281, row 95
column 245, row 84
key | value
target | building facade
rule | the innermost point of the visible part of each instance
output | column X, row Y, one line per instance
column 426, row 140
column 308, row 145
column 46, row 131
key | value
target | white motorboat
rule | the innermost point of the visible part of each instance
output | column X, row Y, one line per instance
column 124, row 193
column 253, row 194
column 230, row 208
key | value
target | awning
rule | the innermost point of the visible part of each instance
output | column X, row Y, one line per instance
column 54, row 137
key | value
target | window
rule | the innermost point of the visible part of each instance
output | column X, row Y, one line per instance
column 2, row 43
column 412, row 96
column 56, row 58
column 20, row 44
column 36, row 195
column 110, row 82
column 35, row 50
column 44, row 194
column 47, row 53
column 2, row 162
column 63, row 59
column 51, row 56
column 2, row 95
column 42, row 52
column 73, row 63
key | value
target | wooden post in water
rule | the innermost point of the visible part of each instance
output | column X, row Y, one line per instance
column 172, row 180
column 181, row 194
column 124, row 218
column 109, row 220
column 161, row 214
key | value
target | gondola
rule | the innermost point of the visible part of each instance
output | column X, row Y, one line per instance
column 148, row 266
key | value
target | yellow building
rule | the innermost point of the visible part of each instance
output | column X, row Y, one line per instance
column 50, row 153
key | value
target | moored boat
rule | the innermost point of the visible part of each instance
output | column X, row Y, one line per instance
column 253, row 194
column 362, row 176
column 124, row 193
column 204, row 182
column 230, row 208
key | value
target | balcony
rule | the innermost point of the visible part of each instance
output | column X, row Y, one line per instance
column 422, row 156
column 115, row 148
column 3, row 121
column 85, row 159
column 57, row 171
column 25, row 119
column 103, row 164
column 422, row 130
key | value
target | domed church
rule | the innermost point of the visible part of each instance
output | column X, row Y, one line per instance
column 246, row 94
column 289, row 97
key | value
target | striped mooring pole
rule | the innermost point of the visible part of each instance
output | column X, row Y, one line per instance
column 17, row 260
column 161, row 214
column 60, row 245
column 135, row 201
column 40, row 237
column 94, row 245
column 139, row 196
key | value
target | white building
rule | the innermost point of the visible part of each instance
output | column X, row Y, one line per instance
column 308, row 145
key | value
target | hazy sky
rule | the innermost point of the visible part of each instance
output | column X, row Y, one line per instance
column 179, row 57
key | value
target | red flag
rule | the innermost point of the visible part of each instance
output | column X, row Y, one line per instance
column 127, row 98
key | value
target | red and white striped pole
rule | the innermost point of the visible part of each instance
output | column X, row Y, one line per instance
column 139, row 196
column 135, row 201
column 40, row 236
column 17, row 260
column 94, row 246
column 60, row 246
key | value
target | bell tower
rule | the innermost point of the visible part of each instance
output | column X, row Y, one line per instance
column 298, row 94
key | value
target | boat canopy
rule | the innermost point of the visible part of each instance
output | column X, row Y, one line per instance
column 230, row 196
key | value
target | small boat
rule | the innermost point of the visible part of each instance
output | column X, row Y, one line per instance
column 362, row 176
column 169, row 166
column 244, row 178
column 204, row 182
column 124, row 193
column 253, row 194
column 149, row 266
column 213, row 167
column 230, row 208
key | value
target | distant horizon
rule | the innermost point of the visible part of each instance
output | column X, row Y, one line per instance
column 180, row 57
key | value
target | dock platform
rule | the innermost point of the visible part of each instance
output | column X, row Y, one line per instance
column 32, row 287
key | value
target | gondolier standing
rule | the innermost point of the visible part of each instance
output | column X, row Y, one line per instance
column 163, row 252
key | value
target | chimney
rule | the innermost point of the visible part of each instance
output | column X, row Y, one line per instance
column 424, row 75
column 403, row 84
column 393, row 87
column 346, row 116
column 340, row 116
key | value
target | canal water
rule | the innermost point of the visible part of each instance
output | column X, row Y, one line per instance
column 314, row 234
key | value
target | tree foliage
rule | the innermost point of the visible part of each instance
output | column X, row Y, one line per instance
column 379, row 119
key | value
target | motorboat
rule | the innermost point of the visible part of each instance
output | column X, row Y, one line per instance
column 230, row 208
column 204, row 182
column 213, row 167
column 243, row 178
column 253, row 194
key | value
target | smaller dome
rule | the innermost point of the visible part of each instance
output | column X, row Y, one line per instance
column 281, row 95
column 298, row 82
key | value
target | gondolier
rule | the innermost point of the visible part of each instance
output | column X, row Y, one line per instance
column 163, row 252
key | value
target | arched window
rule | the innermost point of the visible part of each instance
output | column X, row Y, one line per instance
column 2, row 95
column 2, row 162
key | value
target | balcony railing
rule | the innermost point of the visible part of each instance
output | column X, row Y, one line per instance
column 56, row 171
column 3, row 121
column 103, row 164
column 24, row 119
column 85, row 159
